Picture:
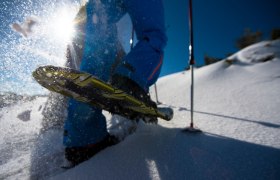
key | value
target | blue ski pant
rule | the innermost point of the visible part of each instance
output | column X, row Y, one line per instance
column 86, row 124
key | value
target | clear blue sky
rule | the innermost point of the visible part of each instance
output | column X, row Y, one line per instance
column 217, row 25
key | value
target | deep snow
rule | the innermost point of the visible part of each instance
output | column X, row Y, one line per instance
column 236, row 106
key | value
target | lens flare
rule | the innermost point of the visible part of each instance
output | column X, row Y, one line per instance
column 60, row 26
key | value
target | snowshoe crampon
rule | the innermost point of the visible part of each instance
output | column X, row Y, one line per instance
column 86, row 88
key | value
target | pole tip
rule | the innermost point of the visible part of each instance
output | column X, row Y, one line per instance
column 192, row 129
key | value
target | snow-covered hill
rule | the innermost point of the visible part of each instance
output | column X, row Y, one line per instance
column 236, row 106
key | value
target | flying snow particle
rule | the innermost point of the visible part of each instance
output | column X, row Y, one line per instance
column 25, row 29
column 95, row 18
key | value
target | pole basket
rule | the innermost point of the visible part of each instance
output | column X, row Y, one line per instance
column 191, row 129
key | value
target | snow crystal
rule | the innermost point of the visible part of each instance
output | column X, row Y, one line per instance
column 95, row 18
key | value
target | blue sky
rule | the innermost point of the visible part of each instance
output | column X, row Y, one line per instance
column 217, row 25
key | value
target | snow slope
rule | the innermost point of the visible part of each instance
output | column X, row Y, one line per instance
column 236, row 106
column 20, row 125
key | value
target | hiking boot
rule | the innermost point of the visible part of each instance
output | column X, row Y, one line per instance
column 133, row 89
column 76, row 155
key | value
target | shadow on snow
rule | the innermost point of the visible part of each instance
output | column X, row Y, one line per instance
column 162, row 153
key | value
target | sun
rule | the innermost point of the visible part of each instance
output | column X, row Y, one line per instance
column 61, row 25
column 55, row 30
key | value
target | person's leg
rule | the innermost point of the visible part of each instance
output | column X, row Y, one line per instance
column 85, row 124
column 101, row 41
column 144, row 62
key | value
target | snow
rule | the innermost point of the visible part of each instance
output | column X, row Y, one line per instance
column 17, row 136
column 236, row 105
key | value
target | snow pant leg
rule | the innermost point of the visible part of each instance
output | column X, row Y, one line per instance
column 101, row 41
column 144, row 62
column 142, row 65
column 86, row 124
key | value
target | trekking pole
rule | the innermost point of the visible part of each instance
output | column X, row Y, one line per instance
column 191, row 128
column 157, row 101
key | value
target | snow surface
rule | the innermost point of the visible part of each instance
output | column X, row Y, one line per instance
column 236, row 106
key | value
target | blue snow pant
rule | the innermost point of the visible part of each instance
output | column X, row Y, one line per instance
column 86, row 124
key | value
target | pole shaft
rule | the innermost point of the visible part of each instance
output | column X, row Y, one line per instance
column 192, row 94
column 191, row 59
column 156, row 93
